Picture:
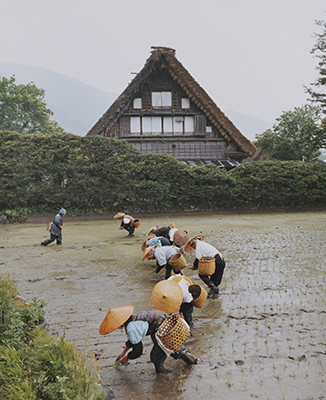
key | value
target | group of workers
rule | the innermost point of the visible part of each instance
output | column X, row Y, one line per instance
column 162, row 244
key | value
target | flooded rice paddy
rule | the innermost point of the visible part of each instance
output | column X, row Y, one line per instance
column 262, row 338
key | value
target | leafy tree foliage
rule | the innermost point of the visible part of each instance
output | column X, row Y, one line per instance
column 298, row 135
column 23, row 110
column 317, row 90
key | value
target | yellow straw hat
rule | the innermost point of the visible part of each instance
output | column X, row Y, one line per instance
column 119, row 215
column 172, row 225
column 144, row 245
column 152, row 228
column 167, row 296
column 188, row 247
column 115, row 318
column 147, row 250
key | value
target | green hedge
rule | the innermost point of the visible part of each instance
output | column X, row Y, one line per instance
column 93, row 175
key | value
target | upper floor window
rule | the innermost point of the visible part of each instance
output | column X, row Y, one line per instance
column 161, row 99
column 185, row 103
column 137, row 103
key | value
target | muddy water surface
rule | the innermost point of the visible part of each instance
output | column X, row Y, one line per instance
column 262, row 338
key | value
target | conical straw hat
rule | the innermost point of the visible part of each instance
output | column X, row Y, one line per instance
column 188, row 247
column 152, row 228
column 119, row 215
column 115, row 318
column 167, row 296
column 144, row 245
column 147, row 250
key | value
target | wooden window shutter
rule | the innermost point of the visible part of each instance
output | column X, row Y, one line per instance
column 124, row 126
column 200, row 125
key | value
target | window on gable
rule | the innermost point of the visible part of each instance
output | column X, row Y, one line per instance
column 185, row 103
column 189, row 125
column 155, row 125
column 137, row 103
column 135, row 125
column 161, row 99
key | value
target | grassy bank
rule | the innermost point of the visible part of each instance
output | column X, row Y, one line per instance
column 35, row 364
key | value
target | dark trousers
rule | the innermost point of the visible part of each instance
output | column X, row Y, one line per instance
column 130, row 228
column 52, row 239
column 216, row 278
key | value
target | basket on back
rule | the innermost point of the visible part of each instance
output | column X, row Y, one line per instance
column 136, row 222
column 206, row 266
column 180, row 237
column 199, row 295
column 178, row 262
column 173, row 332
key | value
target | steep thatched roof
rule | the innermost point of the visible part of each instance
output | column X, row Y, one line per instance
column 163, row 57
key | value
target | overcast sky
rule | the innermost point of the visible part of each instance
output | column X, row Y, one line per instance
column 251, row 56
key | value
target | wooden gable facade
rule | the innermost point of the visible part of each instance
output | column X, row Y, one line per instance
column 164, row 110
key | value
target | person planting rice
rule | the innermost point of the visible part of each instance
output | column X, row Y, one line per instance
column 207, row 251
column 172, row 233
column 158, row 240
column 138, row 325
column 128, row 223
column 163, row 256
column 186, row 307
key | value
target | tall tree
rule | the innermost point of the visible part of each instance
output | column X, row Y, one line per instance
column 298, row 135
column 317, row 90
column 22, row 108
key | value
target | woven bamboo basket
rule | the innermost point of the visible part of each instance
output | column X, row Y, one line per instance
column 173, row 332
column 180, row 237
column 136, row 222
column 206, row 266
column 178, row 262
column 199, row 301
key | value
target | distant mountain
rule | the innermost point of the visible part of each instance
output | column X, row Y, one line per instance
column 248, row 126
column 77, row 106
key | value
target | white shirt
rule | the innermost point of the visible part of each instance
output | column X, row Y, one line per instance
column 164, row 253
column 172, row 231
column 184, row 283
column 204, row 249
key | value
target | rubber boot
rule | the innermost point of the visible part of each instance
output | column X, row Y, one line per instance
column 159, row 368
column 188, row 357
column 214, row 290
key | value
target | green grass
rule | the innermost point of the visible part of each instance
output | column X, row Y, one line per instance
column 36, row 365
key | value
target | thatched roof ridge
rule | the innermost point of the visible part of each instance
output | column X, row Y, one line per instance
column 197, row 94
column 162, row 57
column 110, row 117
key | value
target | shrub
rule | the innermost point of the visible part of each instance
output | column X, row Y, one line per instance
column 35, row 365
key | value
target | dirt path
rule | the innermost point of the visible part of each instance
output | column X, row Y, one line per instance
column 263, row 338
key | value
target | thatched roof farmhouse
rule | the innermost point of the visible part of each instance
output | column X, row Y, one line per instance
column 164, row 110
